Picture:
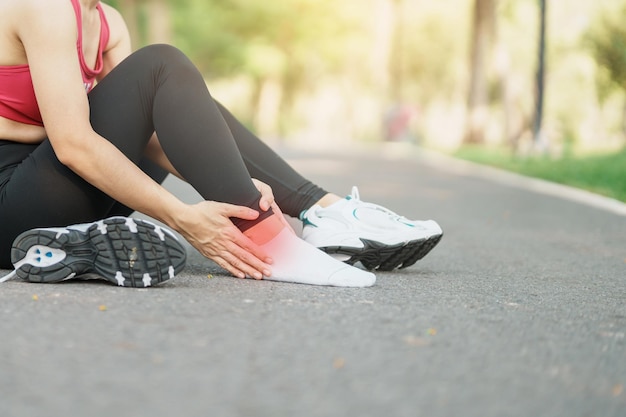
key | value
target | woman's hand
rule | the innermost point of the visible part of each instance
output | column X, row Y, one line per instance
column 267, row 202
column 208, row 228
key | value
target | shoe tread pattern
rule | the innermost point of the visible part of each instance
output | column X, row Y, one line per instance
column 420, row 251
column 379, row 256
column 134, row 254
column 105, row 254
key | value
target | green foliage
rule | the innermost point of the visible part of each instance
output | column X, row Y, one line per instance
column 607, row 42
column 432, row 53
column 305, row 39
column 603, row 174
column 257, row 38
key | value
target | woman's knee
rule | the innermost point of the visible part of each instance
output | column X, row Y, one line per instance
column 163, row 58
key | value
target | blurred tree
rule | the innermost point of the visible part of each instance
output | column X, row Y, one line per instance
column 281, row 46
column 130, row 10
column 541, row 75
column 158, row 21
column 252, row 38
column 482, row 39
column 148, row 21
column 396, row 65
column 607, row 42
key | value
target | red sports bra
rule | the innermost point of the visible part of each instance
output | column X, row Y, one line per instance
column 17, row 96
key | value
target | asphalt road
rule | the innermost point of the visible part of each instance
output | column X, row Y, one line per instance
column 520, row 311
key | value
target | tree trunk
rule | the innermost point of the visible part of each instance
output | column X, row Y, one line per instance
column 396, row 58
column 159, row 22
column 269, row 95
column 129, row 9
column 478, row 97
column 541, row 74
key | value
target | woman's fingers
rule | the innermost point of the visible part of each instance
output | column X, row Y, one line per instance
column 240, row 262
column 225, row 265
column 267, row 196
column 241, row 212
column 249, row 254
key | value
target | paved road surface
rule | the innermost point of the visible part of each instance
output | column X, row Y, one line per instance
column 520, row 311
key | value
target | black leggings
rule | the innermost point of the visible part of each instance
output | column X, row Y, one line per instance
column 155, row 89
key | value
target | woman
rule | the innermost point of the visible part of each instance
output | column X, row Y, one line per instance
column 67, row 157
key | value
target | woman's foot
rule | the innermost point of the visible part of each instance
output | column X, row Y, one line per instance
column 353, row 230
column 124, row 251
column 296, row 261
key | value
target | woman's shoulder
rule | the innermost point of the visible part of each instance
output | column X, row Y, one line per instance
column 23, row 12
column 114, row 18
column 25, row 6
column 19, row 19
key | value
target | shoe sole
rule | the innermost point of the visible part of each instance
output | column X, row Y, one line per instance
column 126, row 252
column 379, row 256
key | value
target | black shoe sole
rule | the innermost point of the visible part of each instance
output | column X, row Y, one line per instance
column 135, row 254
column 379, row 256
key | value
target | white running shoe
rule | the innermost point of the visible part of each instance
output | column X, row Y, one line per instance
column 353, row 230
column 124, row 251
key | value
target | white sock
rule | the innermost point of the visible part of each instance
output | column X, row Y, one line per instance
column 297, row 261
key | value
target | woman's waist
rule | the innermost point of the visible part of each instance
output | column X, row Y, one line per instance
column 10, row 130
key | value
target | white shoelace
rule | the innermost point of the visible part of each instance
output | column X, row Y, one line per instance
column 355, row 193
column 357, row 199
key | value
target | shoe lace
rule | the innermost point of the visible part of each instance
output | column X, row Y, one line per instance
column 355, row 196
column 8, row 276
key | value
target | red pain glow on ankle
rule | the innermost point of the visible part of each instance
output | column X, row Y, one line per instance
column 265, row 230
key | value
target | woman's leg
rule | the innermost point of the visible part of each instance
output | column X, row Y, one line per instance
column 292, row 191
column 158, row 88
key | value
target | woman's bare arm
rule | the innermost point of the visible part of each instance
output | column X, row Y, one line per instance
column 49, row 40
column 50, row 43
column 119, row 46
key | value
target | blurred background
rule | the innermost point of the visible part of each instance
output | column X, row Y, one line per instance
column 536, row 86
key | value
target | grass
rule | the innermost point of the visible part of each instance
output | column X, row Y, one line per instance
column 603, row 174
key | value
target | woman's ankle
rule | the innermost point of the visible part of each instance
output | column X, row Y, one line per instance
column 265, row 230
column 327, row 200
